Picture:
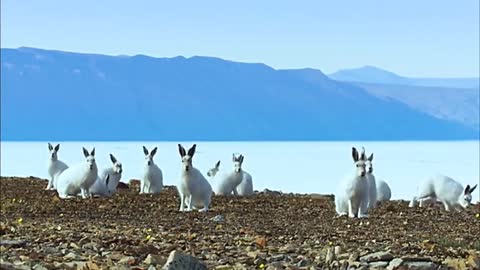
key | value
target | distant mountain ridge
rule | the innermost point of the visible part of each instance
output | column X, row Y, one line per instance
column 371, row 74
column 63, row 96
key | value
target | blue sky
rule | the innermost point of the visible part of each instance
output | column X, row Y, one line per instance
column 413, row 38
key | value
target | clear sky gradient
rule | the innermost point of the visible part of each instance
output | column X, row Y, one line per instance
column 424, row 38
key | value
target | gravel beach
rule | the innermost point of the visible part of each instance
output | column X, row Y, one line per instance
column 270, row 230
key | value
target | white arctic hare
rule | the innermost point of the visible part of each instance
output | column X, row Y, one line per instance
column 383, row 191
column 230, row 181
column 213, row 171
column 445, row 189
column 152, row 180
column 55, row 166
column 101, row 187
column 194, row 189
column 371, row 183
column 79, row 178
column 351, row 198
column 245, row 188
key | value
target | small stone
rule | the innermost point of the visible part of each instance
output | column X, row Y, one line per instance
column 287, row 249
column 459, row 264
column 39, row 267
column 74, row 246
column 416, row 259
column 252, row 254
column 224, row 267
column 378, row 265
column 395, row 263
column 329, row 257
column 72, row 256
column 128, row 260
column 154, row 259
column 377, row 256
column 180, row 261
column 276, row 258
column 421, row 265
column 338, row 250
column 24, row 258
column 474, row 261
column 354, row 257
column 13, row 243
column 303, row 263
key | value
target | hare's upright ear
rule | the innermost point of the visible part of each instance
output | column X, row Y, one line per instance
column 234, row 158
column 154, row 151
column 472, row 189
column 354, row 154
column 370, row 158
column 113, row 159
column 191, row 151
column 217, row 165
column 240, row 159
column 93, row 152
column 85, row 152
column 362, row 154
column 145, row 151
column 181, row 150
column 50, row 147
column 57, row 147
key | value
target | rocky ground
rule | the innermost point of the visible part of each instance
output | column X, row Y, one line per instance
column 267, row 231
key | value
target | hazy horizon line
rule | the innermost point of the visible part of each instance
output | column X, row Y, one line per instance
column 240, row 61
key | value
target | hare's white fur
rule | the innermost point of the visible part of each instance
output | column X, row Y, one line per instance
column 230, row 181
column 79, row 178
column 55, row 166
column 371, row 184
column 446, row 190
column 194, row 189
column 353, row 195
column 152, row 180
column 245, row 188
column 104, row 188
column 214, row 171
column 383, row 191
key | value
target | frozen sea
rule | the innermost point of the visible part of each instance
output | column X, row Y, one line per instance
column 299, row 167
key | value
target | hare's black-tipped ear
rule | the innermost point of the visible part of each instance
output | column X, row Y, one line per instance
column 362, row 154
column 113, row 159
column 154, row 151
column 145, row 150
column 85, row 152
column 370, row 158
column 50, row 147
column 107, row 178
column 93, row 152
column 218, row 164
column 467, row 190
column 241, row 158
column 354, row 154
column 57, row 147
column 191, row 151
column 234, row 158
column 181, row 150
column 472, row 189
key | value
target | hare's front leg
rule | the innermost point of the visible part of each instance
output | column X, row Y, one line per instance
column 50, row 184
column 189, row 203
column 142, row 187
column 351, row 212
column 84, row 193
column 447, row 205
column 182, row 203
